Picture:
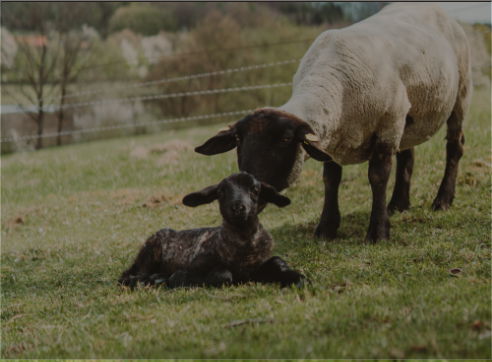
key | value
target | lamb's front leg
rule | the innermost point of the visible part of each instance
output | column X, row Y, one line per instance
column 185, row 278
column 276, row 270
column 330, row 217
column 379, row 171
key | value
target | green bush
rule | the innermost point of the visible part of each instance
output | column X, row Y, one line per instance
column 144, row 19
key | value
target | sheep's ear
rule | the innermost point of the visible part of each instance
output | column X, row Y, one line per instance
column 310, row 143
column 269, row 194
column 223, row 141
column 205, row 196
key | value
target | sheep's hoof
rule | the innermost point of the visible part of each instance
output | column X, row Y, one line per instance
column 325, row 232
column 397, row 206
column 378, row 232
column 442, row 203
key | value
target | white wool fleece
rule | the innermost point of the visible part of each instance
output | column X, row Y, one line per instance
column 356, row 86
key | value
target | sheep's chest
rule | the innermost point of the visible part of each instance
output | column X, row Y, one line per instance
column 244, row 258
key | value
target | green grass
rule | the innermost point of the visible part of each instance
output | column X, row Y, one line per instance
column 72, row 220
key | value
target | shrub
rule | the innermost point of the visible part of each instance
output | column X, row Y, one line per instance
column 144, row 19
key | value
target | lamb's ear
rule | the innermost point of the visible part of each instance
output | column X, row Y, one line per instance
column 269, row 194
column 205, row 196
column 223, row 141
column 310, row 143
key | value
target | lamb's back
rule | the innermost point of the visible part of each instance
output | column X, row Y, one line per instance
column 181, row 248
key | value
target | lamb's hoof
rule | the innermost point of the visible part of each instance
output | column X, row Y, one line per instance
column 157, row 279
column 292, row 278
column 129, row 281
column 220, row 278
column 178, row 279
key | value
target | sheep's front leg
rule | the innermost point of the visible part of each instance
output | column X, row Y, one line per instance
column 379, row 171
column 400, row 201
column 276, row 270
column 330, row 217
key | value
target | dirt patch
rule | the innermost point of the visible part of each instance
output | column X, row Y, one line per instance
column 126, row 196
column 15, row 222
column 20, row 218
column 162, row 199
column 169, row 152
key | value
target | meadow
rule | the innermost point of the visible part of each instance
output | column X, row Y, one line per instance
column 74, row 217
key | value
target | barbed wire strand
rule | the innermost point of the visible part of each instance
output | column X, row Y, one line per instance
column 165, row 96
column 126, row 125
column 188, row 77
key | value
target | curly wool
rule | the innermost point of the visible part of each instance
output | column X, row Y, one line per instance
column 393, row 78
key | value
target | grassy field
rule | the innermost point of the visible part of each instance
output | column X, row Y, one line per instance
column 74, row 217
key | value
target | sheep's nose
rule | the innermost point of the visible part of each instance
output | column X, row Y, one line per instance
column 238, row 208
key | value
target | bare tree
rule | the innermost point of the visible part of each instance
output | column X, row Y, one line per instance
column 39, row 59
column 50, row 59
column 72, row 64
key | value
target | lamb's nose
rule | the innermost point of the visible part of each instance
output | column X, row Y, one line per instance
column 238, row 208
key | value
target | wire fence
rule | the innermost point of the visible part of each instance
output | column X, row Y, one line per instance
column 186, row 77
column 151, row 97
column 128, row 125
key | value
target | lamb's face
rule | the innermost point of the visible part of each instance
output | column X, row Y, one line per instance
column 269, row 146
column 241, row 197
column 238, row 197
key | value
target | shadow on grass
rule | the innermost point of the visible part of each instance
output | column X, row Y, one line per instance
column 417, row 223
column 353, row 226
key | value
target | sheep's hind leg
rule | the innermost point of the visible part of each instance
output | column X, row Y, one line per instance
column 379, row 171
column 330, row 217
column 454, row 151
column 400, row 201
column 276, row 270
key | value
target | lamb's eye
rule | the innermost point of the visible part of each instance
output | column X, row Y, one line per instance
column 285, row 140
column 255, row 189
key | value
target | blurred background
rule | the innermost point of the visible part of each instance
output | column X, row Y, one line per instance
column 73, row 71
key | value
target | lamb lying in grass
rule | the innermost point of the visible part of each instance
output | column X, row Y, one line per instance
column 236, row 252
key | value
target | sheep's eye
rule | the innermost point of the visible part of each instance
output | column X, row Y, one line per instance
column 255, row 189
column 285, row 140
column 238, row 139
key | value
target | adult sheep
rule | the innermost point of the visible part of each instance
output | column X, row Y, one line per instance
column 365, row 92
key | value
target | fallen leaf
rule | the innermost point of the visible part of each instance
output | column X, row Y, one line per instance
column 479, row 325
column 455, row 271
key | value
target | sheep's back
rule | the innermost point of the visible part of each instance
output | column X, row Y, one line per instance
column 364, row 80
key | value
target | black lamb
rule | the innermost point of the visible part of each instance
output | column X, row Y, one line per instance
column 236, row 252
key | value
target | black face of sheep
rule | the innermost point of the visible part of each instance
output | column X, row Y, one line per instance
column 241, row 197
column 268, row 144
